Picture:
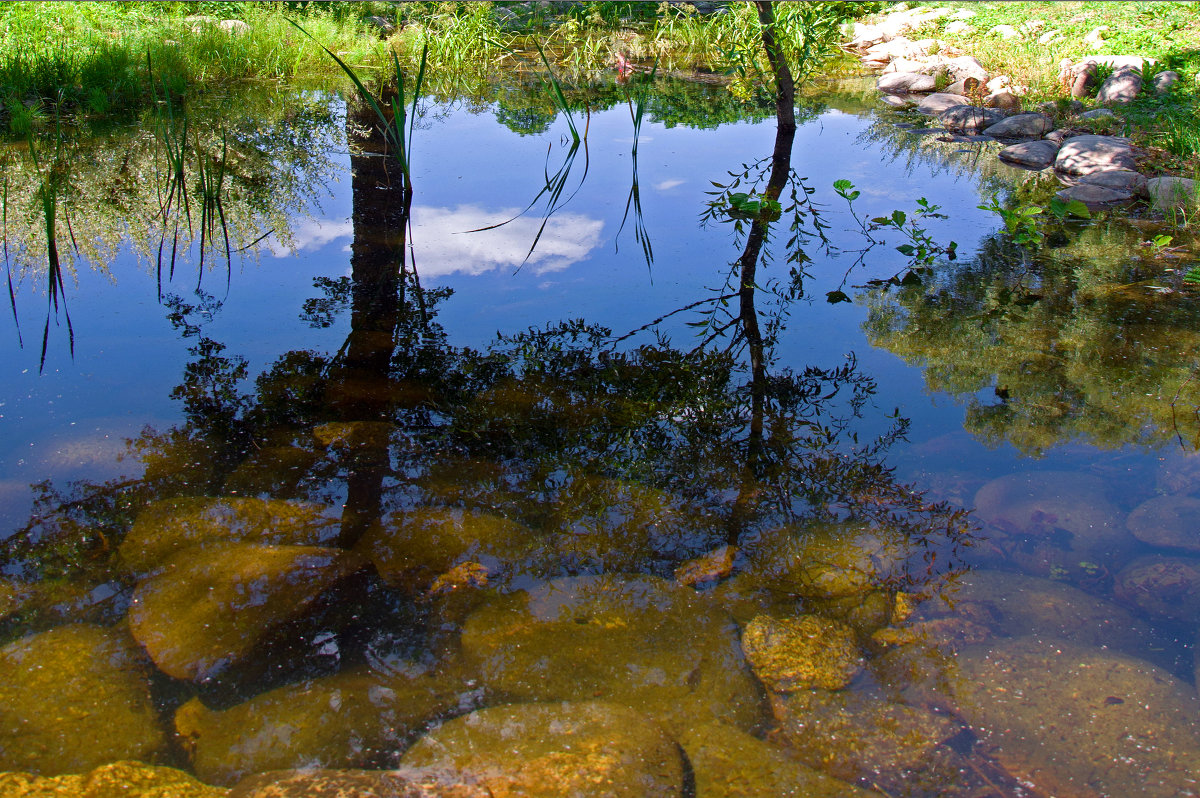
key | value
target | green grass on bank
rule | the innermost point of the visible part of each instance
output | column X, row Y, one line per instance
column 97, row 58
column 1168, row 127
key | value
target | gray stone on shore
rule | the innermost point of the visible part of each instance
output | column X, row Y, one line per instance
column 1164, row 81
column 1030, row 154
column 968, row 118
column 1173, row 192
column 938, row 102
column 906, row 82
column 1093, row 196
column 1004, row 100
column 1021, row 126
column 1084, row 155
column 1118, row 179
column 1122, row 86
column 1098, row 113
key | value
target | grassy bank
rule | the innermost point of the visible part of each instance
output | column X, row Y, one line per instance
column 106, row 59
column 1041, row 35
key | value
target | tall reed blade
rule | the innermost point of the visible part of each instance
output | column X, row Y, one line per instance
column 12, row 296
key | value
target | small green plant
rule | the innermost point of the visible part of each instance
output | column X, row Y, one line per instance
column 1025, row 223
column 752, row 206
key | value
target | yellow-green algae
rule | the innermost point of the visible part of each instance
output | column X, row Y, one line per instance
column 74, row 698
column 210, row 608
column 549, row 750
column 353, row 719
column 729, row 763
column 411, row 549
column 169, row 526
column 796, row 653
column 117, row 780
column 636, row 640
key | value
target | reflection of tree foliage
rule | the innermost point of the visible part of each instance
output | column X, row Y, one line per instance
column 1078, row 346
column 111, row 184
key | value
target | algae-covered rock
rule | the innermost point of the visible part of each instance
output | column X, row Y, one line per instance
column 354, row 719
column 168, row 526
column 635, row 640
column 210, row 609
column 1166, row 587
column 1071, row 720
column 862, row 736
column 745, row 597
column 589, row 749
column 797, row 653
column 1167, row 521
column 829, row 561
column 117, row 780
column 729, row 763
column 1054, row 523
column 1016, row 605
column 411, row 549
column 405, row 783
column 272, row 470
column 74, row 698
column 606, row 525
column 716, row 564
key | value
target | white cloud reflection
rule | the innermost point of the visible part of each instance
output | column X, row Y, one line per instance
column 444, row 247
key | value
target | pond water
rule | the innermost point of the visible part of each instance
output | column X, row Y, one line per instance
column 563, row 454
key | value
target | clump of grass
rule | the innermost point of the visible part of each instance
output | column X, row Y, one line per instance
column 90, row 58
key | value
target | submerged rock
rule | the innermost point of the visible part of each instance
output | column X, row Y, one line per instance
column 211, row 610
column 404, row 783
column 717, row 564
column 797, row 653
column 829, row 561
column 589, row 748
column 354, row 719
column 1171, row 522
column 853, row 736
column 637, row 640
column 729, row 763
column 118, row 780
column 1054, row 522
column 1166, row 587
column 169, row 526
column 75, row 698
column 1016, row 605
column 412, row 549
column 1070, row 720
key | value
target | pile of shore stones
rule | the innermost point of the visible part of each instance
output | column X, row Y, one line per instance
column 973, row 105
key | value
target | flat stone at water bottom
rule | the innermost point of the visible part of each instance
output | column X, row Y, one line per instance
column 547, row 750
column 404, row 783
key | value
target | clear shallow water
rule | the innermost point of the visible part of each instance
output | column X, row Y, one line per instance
column 467, row 523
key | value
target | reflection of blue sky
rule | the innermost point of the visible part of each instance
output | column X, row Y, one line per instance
column 443, row 245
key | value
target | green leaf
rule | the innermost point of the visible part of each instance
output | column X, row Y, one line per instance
column 843, row 185
column 898, row 218
column 906, row 249
column 833, row 297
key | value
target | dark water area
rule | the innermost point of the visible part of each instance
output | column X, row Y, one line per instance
column 570, row 440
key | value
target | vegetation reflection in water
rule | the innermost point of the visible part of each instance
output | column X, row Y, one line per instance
column 404, row 530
